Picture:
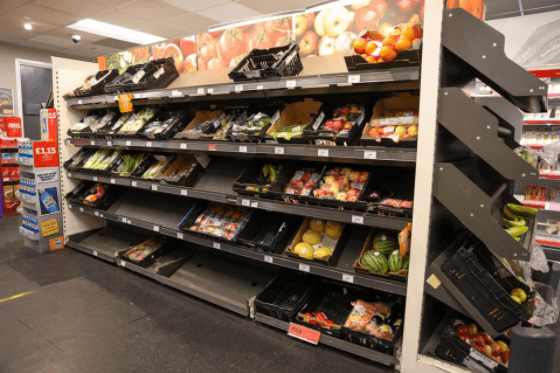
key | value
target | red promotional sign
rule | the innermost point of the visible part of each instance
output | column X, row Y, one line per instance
column 553, row 73
column 49, row 123
column 13, row 127
column 45, row 154
column 303, row 333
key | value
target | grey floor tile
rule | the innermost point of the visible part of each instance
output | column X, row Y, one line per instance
column 13, row 282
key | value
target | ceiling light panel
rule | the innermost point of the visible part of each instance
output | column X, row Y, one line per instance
column 229, row 12
column 115, row 32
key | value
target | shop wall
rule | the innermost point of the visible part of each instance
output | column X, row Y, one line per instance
column 532, row 41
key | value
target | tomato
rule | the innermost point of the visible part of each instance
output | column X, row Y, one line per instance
column 310, row 18
column 366, row 18
column 283, row 41
column 278, row 27
column 380, row 7
column 201, row 65
column 207, row 51
column 190, row 63
column 405, row 5
column 215, row 63
column 246, row 28
column 261, row 40
column 187, row 47
column 204, row 38
column 232, row 43
column 236, row 60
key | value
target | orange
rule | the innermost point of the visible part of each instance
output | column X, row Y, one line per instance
column 403, row 43
column 388, row 54
column 395, row 32
column 374, row 35
column 371, row 47
column 359, row 45
column 371, row 59
column 390, row 40
column 409, row 32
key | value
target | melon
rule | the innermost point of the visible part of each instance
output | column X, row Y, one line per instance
column 322, row 253
column 333, row 230
column 302, row 245
column 375, row 262
column 311, row 237
column 395, row 261
column 317, row 225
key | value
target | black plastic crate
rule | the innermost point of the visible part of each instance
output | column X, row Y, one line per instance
column 109, row 130
column 269, row 63
column 176, row 121
column 251, row 178
column 85, row 188
column 272, row 110
column 277, row 191
column 117, row 168
column 406, row 58
column 174, row 173
column 102, row 77
column 130, row 133
column 72, row 163
column 396, row 186
column 151, row 75
column 285, row 295
column 481, row 278
column 150, row 161
column 162, row 247
column 320, row 136
column 269, row 231
column 103, row 118
column 105, row 171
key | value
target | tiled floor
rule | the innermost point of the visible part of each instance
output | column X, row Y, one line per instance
column 85, row 315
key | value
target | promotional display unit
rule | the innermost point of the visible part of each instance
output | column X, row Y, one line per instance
column 371, row 211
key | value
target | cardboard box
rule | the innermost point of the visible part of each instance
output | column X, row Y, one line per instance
column 368, row 245
column 201, row 117
column 183, row 162
column 296, row 114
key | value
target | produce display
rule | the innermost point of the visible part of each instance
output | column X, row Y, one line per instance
column 251, row 126
column 471, row 334
column 303, row 182
column 265, row 178
column 157, row 127
column 370, row 318
column 394, row 125
column 157, row 166
column 128, row 163
column 101, row 160
column 138, row 120
column 316, row 240
column 213, row 128
column 342, row 184
column 343, row 120
column 220, row 221
column 516, row 219
column 145, row 249
column 96, row 192
column 295, row 118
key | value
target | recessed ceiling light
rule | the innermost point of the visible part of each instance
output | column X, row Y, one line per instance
column 115, row 32
column 28, row 26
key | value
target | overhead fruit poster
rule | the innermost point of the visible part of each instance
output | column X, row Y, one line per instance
column 226, row 48
column 332, row 29
column 474, row 7
column 182, row 50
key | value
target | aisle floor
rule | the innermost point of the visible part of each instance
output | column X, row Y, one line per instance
column 80, row 314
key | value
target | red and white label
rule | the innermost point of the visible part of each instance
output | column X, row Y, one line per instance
column 13, row 127
column 45, row 154
column 303, row 333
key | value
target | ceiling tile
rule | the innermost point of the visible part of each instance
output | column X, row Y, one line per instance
column 15, row 28
column 501, row 16
column 9, row 39
column 153, row 9
column 192, row 21
column 113, row 3
column 541, row 10
column 494, row 7
column 53, row 40
column 33, row 44
column 38, row 13
column 65, row 32
column 78, row 8
column 11, row 4
column 118, row 18
column 531, row 4
column 229, row 12
column 89, row 50
column 166, row 31
column 195, row 5
column 270, row 7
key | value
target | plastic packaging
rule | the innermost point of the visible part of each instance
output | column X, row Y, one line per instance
column 546, row 306
column 528, row 154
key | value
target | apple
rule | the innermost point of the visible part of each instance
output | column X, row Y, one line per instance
column 366, row 18
column 215, row 63
column 354, row 176
column 348, row 126
column 359, row 46
column 461, row 330
column 208, row 51
column 488, row 339
column 496, row 349
column 380, row 7
column 301, row 24
column 326, row 46
column 329, row 180
column 472, row 329
column 346, row 171
column 478, row 339
column 362, row 178
column 336, row 21
column 335, row 172
column 308, row 43
column 505, row 357
column 334, row 188
column 503, row 345
column 406, row 5
column 310, row 18
column 319, row 29
column 190, row 63
column 341, row 196
column 487, row 350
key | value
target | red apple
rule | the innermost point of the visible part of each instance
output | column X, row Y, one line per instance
column 488, row 339
column 496, row 349
column 472, row 329
column 362, row 178
column 478, row 339
column 487, row 350
column 505, row 357
column 461, row 330
column 467, row 340
column 308, row 43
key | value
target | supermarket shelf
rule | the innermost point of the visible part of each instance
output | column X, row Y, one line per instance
column 337, row 273
column 270, row 205
column 241, row 90
column 546, row 122
column 542, row 205
column 334, row 342
column 366, row 154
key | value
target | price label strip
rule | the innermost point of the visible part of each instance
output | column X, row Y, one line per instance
column 305, row 334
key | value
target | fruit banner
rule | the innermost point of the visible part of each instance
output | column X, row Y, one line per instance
column 226, row 48
column 182, row 50
column 474, row 7
column 332, row 29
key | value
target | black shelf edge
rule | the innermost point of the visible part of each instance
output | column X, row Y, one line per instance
column 334, row 273
column 351, row 153
column 343, row 216
column 240, row 90
column 98, row 254
column 334, row 342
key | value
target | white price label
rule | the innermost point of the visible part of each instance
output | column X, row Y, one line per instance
column 123, row 263
column 353, row 79
column 128, row 143
column 100, row 215
column 184, row 192
column 268, row 259
column 238, row 87
column 154, row 188
column 200, row 91
column 94, row 253
column 357, row 219
column 278, row 150
column 368, row 154
column 260, row 87
column 95, row 178
column 81, row 209
column 96, row 213
column 242, row 149
column 180, row 236
column 183, row 146
column 217, row 246
column 109, row 143
column 69, row 174
column 323, row 152
column 134, row 184
column 254, row 204
column 176, row 93
column 290, row 84
column 116, row 98
column 304, row 268
column 245, row 202
column 92, row 142
column 156, row 228
column 129, row 221
column 80, row 102
column 210, row 91
column 123, row 220
column 69, row 206
column 113, row 181
column 149, row 144
column 348, row 278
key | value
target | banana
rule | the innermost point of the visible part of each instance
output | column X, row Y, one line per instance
column 518, row 239
column 514, row 223
column 517, row 231
column 510, row 215
column 521, row 210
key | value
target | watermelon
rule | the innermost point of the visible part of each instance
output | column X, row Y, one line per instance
column 385, row 244
column 395, row 261
column 405, row 261
column 375, row 262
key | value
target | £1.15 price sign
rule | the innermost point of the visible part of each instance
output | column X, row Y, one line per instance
column 45, row 154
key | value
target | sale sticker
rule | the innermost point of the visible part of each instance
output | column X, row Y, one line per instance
column 56, row 243
column 49, row 227
column 305, row 334
column 45, row 154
